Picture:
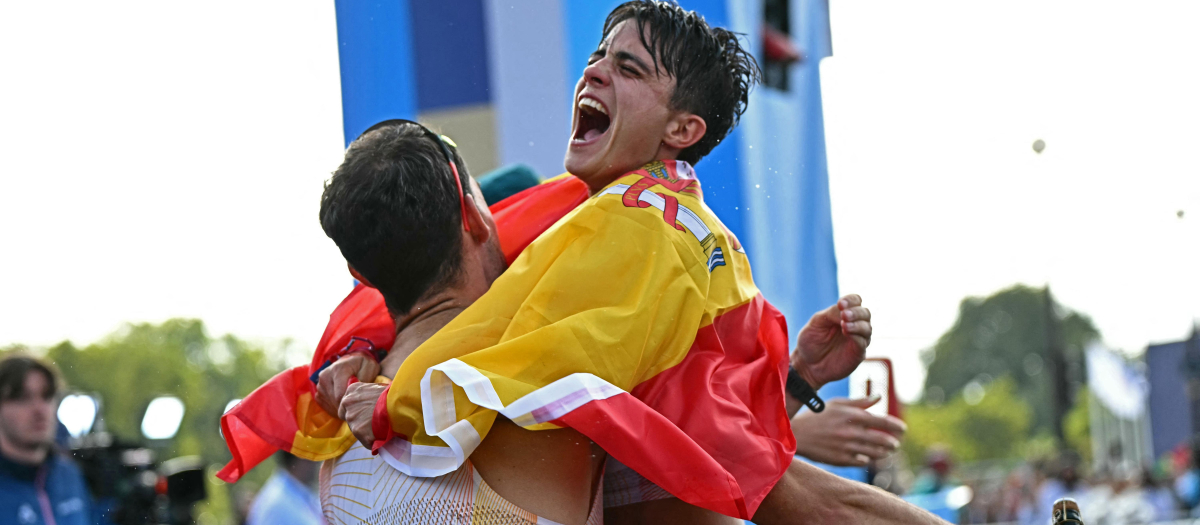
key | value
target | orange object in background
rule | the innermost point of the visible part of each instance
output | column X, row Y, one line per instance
column 876, row 376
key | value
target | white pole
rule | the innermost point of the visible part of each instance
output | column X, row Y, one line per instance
column 1148, row 433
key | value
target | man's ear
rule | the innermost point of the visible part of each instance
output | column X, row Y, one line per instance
column 358, row 276
column 683, row 130
column 479, row 227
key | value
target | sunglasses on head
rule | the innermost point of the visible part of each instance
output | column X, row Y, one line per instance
column 445, row 143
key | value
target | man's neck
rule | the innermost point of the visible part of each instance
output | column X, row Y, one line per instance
column 480, row 266
column 594, row 188
column 25, row 455
column 420, row 323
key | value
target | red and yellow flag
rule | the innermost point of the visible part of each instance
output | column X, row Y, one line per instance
column 282, row 415
column 633, row 319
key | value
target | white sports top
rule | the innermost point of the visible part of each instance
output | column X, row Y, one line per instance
column 359, row 487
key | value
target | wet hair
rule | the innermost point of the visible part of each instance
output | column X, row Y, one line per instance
column 392, row 208
column 15, row 369
column 713, row 73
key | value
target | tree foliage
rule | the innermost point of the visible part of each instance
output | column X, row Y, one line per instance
column 1005, row 334
column 1077, row 427
column 178, row 357
column 143, row 361
column 995, row 427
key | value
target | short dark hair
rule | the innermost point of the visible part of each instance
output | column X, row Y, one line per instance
column 15, row 369
column 713, row 72
column 392, row 207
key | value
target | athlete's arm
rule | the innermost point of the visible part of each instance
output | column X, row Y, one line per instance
column 834, row 342
column 831, row 345
column 807, row 494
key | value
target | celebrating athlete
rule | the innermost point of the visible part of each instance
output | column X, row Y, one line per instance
column 632, row 322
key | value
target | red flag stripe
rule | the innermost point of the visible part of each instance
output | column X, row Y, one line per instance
column 712, row 430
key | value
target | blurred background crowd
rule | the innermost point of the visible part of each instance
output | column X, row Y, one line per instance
column 987, row 442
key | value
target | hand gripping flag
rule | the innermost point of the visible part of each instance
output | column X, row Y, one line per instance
column 633, row 320
column 711, row 429
column 282, row 415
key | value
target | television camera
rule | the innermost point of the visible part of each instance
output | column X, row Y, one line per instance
column 128, row 482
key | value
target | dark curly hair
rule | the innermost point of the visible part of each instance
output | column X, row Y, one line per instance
column 392, row 208
column 713, row 72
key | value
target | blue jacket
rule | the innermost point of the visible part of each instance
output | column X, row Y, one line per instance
column 27, row 493
column 285, row 501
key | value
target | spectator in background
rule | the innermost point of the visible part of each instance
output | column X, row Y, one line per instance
column 1187, row 485
column 288, row 498
column 1063, row 483
column 1158, row 496
column 1020, row 494
column 1119, row 501
column 936, row 475
column 38, row 485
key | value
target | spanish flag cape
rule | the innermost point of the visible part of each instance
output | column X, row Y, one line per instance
column 634, row 320
column 282, row 413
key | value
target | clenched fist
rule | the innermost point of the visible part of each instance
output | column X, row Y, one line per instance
column 331, row 384
column 357, row 408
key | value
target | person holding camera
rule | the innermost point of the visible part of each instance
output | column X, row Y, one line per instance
column 38, row 485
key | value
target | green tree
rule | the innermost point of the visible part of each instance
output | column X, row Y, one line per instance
column 143, row 361
column 1006, row 334
column 995, row 426
column 1077, row 427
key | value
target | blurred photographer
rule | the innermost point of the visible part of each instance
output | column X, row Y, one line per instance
column 288, row 497
column 38, row 485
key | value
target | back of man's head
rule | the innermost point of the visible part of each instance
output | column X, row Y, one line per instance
column 713, row 72
column 392, row 207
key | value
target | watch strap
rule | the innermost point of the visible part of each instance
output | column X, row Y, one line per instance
column 798, row 388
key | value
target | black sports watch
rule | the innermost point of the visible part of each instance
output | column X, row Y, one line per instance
column 798, row 388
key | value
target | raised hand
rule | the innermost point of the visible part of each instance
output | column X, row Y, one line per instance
column 834, row 342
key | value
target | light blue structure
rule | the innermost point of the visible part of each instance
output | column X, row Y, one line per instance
column 767, row 181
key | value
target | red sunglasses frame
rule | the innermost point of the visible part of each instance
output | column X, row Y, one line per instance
column 445, row 147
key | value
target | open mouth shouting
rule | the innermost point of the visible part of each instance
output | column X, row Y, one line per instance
column 591, row 121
